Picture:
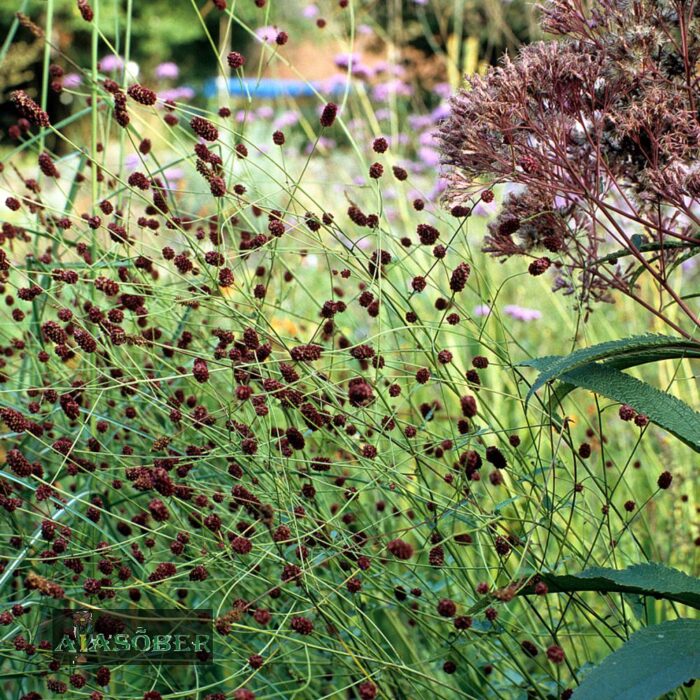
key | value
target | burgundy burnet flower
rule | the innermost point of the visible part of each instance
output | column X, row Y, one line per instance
column 204, row 128
column 446, row 608
column 459, row 277
column 556, row 654
column 47, row 166
column 86, row 12
column 380, row 145
column 539, row 266
column 367, row 690
column 400, row 173
column 529, row 648
column 200, row 370
column 302, row 625
column 328, row 115
column 306, row 353
column 400, row 549
column 423, row 375
column 29, row 109
column 664, row 480
column 235, row 60
column 376, row 170
column 142, row 95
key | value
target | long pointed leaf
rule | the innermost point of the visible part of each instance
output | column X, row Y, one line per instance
column 650, row 579
column 644, row 348
column 665, row 410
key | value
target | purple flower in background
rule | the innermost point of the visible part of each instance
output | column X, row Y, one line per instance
column 441, row 112
column 111, row 63
column 562, row 202
column 482, row 310
column 178, row 94
column 419, row 121
column 343, row 60
column 167, row 71
column 172, row 176
column 132, row 161
column 72, row 80
column 384, row 91
column 331, row 83
column 442, row 90
column 310, row 11
column 361, row 72
column 427, row 138
column 481, row 209
column 323, row 142
column 264, row 112
column 352, row 61
column 428, row 157
column 439, row 188
column 289, row 118
column 267, row 34
column 521, row 313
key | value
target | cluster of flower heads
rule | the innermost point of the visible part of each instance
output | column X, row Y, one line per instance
column 599, row 135
column 180, row 429
column 150, row 379
column 193, row 417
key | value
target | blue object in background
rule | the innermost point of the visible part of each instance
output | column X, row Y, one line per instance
column 271, row 88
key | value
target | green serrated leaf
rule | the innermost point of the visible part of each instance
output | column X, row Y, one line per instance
column 649, row 347
column 648, row 579
column 652, row 662
column 664, row 410
column 652, row 576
